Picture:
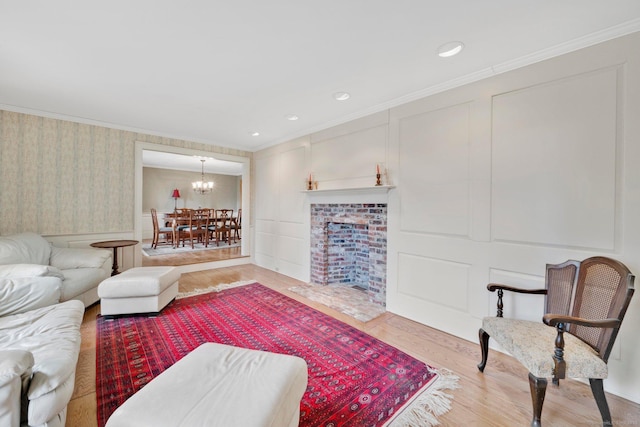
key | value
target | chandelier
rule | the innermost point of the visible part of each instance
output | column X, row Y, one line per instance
column 202, row 187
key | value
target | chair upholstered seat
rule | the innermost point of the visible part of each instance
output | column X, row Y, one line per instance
column 581, row 359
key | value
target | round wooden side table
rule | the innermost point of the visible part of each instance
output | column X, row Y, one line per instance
column 114, row 244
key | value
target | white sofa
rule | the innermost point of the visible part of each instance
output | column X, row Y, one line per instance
column 43, row 293
column 80, row 269
column 39, row 347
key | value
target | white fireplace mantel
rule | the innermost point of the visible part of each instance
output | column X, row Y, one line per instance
column 376, row 194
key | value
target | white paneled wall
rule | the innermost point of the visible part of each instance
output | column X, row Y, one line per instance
column 267, row 197
column 493, row 180
column 282, row 211
column 434, row 157
column 555, row 144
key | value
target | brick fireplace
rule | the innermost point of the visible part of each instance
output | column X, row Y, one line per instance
column 349, row 247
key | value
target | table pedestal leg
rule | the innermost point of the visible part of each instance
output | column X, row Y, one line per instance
column 114, row 268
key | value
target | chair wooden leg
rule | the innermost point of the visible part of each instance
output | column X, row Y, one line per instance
column 597, row 389
column 484, row 347
column 538, row 389
column 154, row 242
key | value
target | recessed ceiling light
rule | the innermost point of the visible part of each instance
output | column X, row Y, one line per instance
column 292, row 117
column 450, row 49
column 254, row 133
column 341, row 96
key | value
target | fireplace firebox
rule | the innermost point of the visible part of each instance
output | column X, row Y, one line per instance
column 349, row 247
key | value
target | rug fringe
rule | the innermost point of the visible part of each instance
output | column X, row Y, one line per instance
column 215, row 288
column 429, row 404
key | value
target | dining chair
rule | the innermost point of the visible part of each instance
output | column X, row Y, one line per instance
column 585, row 303
column 236, row 224
column 200, row 224
column 185, row 226
column 223, row 226
column 158, row 231
column 211, row 229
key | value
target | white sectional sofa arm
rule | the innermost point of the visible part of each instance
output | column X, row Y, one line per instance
column 81, row 269
column 15, row 373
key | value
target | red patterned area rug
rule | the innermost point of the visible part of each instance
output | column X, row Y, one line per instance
column 354, row 378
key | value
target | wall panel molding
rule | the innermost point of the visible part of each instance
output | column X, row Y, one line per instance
column 554, row 165
column 434, row 156
column 418, row 274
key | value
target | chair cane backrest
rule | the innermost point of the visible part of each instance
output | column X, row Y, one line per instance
column 561, row 284
column 604, row 291
column 596, row 288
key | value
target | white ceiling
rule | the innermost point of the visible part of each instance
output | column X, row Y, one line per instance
column 215, row 71
column 162, row 160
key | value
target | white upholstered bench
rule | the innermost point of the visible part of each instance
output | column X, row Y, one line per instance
column 138, row 290
column 220, row 385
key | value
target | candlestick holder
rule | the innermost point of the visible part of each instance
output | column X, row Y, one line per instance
column 309, row 185
column 378, row 180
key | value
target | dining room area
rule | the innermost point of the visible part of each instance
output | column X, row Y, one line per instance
column 191, row 209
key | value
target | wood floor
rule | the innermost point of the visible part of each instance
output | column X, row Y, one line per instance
column 499, row 397
column 195, row 257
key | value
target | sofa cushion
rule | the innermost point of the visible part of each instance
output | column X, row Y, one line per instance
column 52, row 335
column 45, row 410
column 79, row 280
column 14, row 363
column 29, row 270
column 24, row 248
column 69, row 258
column 15, row 371
column 21, row 294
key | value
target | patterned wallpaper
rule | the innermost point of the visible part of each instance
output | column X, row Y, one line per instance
column 61, row 177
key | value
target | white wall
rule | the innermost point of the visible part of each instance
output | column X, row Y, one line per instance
column 158, row 185
column 494, row 180
column 281, row 215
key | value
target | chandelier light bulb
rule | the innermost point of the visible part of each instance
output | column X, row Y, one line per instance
column 202, row 186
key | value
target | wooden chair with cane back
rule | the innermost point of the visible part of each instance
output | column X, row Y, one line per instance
column 585, row 303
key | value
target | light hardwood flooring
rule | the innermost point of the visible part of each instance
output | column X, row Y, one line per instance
column 194, row 257
column 499, row 397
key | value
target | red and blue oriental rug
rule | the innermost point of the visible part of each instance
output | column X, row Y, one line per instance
column 354, row 378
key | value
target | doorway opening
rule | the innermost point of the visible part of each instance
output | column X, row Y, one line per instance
column 175, row 168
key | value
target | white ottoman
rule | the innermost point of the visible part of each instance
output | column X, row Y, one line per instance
column 220, row 385
column 138, row 290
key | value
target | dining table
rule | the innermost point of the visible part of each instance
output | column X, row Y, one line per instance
column 169, row 218
column 176, row 219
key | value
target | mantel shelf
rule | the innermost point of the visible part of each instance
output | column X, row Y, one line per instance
column 374, row 189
